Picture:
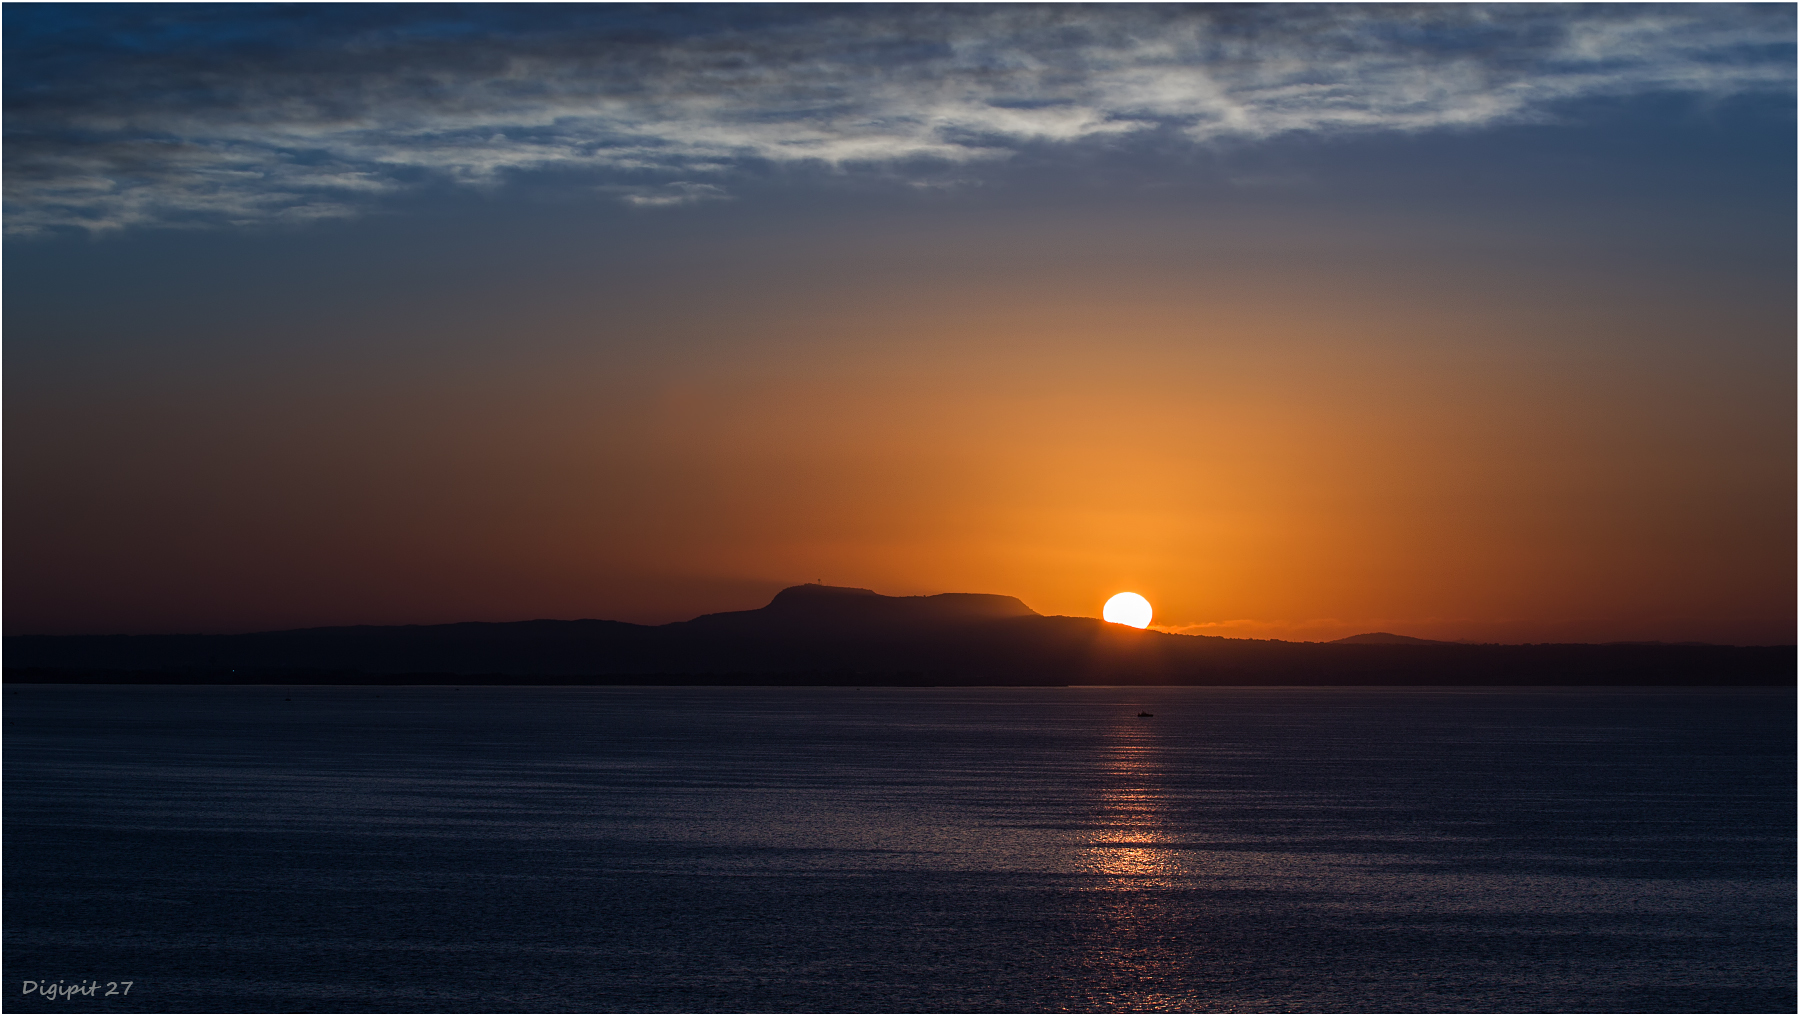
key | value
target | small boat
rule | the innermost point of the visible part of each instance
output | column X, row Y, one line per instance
column 1146, row 714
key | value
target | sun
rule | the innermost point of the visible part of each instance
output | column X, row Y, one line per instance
column 1127, row 608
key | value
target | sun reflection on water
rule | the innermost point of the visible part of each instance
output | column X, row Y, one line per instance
column 1136, row 955
column 1129, row 838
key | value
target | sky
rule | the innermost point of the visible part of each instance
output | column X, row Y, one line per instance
column 1462, row 322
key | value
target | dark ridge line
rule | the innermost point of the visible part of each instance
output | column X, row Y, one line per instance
column 339, row 679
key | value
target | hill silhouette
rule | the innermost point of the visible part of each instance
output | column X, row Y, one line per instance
column 1383, row 638
column 837, row 612
column 817, row 634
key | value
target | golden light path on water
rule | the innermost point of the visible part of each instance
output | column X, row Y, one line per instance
column 1134, row 861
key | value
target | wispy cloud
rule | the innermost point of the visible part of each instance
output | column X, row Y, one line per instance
column 160, row 115
column 680, row 192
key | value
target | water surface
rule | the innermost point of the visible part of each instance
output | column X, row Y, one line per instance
column 651, row 849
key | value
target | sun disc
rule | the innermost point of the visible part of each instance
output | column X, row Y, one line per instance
column 1127, row 608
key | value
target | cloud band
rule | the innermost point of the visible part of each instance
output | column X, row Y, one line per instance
column 224, row 115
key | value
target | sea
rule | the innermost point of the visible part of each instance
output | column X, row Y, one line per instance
column 1117, row 849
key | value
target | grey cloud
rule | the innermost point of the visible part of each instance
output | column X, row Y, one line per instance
column 680, row 192
column 321, row 130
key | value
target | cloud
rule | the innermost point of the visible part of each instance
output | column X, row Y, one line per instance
column 171, row 115
column 1324, row 629
column 680, row 192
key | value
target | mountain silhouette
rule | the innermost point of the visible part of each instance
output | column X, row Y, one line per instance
column 818, row 634
column 837, row 612
column 1382, row 638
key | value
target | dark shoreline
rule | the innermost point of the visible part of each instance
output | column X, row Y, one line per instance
column 825, row 636
column 59, row 676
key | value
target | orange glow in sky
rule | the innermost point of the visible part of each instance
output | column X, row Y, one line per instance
column 1515, row 384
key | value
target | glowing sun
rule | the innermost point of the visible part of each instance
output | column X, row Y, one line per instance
column 1127, row 608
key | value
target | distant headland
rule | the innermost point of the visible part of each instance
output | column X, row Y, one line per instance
column 832, row 635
